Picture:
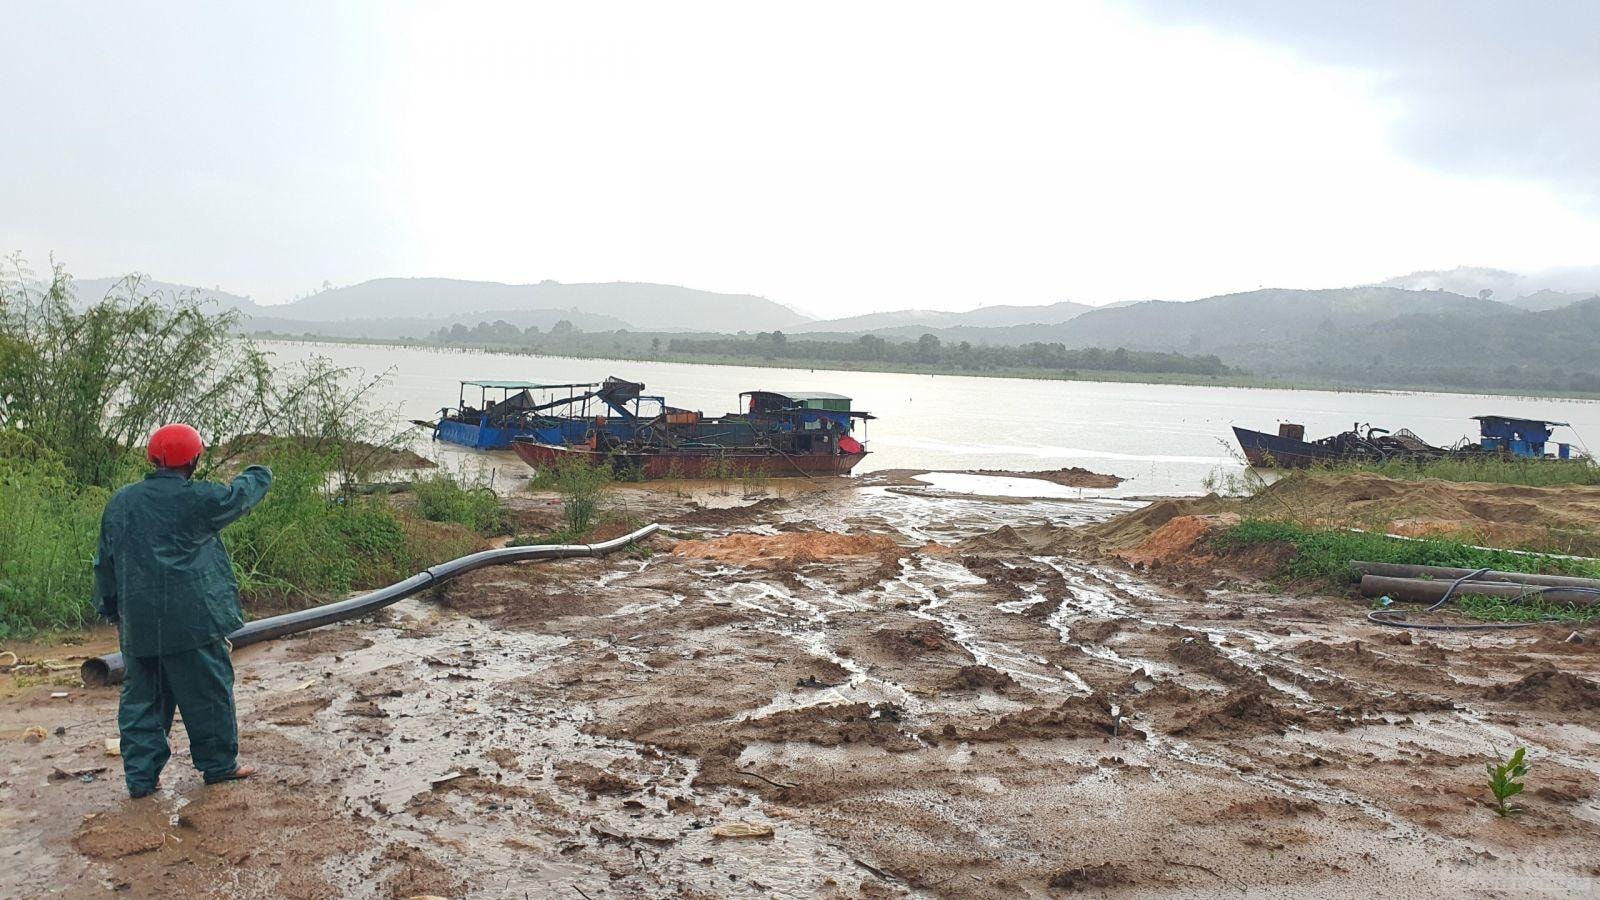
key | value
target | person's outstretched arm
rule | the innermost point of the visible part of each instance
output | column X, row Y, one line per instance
column 225, row 504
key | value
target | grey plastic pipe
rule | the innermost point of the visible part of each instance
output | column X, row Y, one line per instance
column 106, row 670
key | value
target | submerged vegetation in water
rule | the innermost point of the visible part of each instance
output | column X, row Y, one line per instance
column 81, row 389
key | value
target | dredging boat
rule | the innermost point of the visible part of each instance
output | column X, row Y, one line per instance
column 500, row 413
column 553, row 413
column 777, row 434
column 1498, row 436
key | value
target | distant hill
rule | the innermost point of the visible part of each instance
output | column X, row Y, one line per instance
column 1231, row 320
column 1264, row 316
column 420, row 327
column 653, row 307
column 982, row 317
column 93, row 290
column 1542, row 300
column 1547, row 349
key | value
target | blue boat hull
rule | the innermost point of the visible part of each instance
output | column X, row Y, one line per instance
column 1271, row 451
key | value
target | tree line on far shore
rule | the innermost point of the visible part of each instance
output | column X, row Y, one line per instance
column 928, row 351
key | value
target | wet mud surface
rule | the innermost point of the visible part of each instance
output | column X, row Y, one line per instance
column 945, row 697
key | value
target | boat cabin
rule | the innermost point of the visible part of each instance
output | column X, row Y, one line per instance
column 817, row 420
column 1519, row 437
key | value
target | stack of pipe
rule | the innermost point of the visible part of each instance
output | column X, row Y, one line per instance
column 1429, row 584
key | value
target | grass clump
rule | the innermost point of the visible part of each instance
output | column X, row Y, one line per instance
column 1528, row 609
column 583, row 488
column 1490, row 470
column 442, row 497
column 1326, row 553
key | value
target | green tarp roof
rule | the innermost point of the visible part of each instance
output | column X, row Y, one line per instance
column 520, row 385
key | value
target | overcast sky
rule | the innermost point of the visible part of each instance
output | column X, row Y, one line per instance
column 839, row 157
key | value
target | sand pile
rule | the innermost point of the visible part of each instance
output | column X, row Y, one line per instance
column 1550, row 689
column 1127, row 531
column 1560, row 519
column 1069, row 477
column 1043, row 539
column 1179, row 540
column 1501, row 514
column 787, row 549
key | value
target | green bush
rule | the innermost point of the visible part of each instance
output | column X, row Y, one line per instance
column 49, row 527
column 583, row 488
column 302, row 539
column 442, row 497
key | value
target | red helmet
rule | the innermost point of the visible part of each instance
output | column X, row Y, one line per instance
column 174, row 446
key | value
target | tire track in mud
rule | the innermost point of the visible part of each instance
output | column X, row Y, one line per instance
column 472, row 759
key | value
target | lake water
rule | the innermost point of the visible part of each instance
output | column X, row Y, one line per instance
column 1164, row 438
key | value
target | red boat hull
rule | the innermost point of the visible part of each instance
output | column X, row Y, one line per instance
column 684, row 464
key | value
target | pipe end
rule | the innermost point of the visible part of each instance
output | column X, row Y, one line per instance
column 95, row 672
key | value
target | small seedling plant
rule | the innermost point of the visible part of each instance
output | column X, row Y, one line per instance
column 1503, row 781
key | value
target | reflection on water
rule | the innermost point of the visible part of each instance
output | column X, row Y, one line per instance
column 1164, row 438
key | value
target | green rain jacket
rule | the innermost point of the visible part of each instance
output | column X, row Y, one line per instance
column 162, row 573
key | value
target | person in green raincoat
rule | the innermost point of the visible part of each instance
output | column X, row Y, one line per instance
column 163, row 576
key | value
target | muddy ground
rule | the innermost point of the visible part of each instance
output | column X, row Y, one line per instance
column 961, row 699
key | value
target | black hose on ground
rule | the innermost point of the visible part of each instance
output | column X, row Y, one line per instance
column 108, row 669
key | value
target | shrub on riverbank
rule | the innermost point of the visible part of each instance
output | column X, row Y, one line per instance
column 583, row 489
column 442, row 497
column 49, row 526
column 80, row 391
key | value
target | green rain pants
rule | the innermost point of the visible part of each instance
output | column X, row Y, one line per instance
column 197, row 683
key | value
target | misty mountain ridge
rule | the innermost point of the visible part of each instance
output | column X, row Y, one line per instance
column 642, row 306
column 1211, row 324
column 90, row 291
column 1549, row 289
column 983, row 317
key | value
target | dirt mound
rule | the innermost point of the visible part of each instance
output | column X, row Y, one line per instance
column 1069, row 477
column 1241, row 712
column 1090, row 716
column 1551, row 690
column 696, row 514
column 1126, row 531
column 874, row 724
column 773, row 551
column 1500, row 514
column 595, row 780
column 981, row 678
column 1269, row 808
column 1179, row 540
column 1560, row 519
column 1197, row 654
column 1102, row 877
column 1047, row 540
column 1095, row 631
column 910, row 643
